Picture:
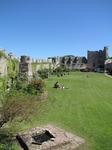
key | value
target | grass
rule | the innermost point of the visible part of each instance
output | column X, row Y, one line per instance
column 85, row 108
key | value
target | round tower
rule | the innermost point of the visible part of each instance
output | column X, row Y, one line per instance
column 25, row 58
column 106, row 52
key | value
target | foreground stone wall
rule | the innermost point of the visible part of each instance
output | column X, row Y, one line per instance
column 5, row 62
column 3, row 66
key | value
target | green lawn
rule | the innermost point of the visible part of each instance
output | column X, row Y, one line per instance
column 85, row 108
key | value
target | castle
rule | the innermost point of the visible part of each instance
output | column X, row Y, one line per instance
column 96, row 59
column 28, row 66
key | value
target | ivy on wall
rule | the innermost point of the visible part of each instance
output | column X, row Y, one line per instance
column 2, row 54
column 41, row 66
column 49, row 66
column 34, row 67
column 12, row 67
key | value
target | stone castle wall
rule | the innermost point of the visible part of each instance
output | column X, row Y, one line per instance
column 94, row 60
column 97, row 59
column 12, row 56
column 4, row 62
column 40, row 60
column 3, row 66
column 71, row 62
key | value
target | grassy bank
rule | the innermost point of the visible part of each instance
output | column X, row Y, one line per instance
column 85, row 108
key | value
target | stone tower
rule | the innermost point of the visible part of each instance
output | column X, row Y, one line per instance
column 96, row 59
column 106, row 52
column 25, row 68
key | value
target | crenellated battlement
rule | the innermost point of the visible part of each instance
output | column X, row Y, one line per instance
column 95, row 59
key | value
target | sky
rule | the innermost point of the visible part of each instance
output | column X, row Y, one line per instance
column 48, row 28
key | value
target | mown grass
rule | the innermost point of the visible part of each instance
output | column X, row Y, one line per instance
column 85, row 108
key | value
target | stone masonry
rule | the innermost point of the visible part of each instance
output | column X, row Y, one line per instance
column 56, row 139
column 4, row 62
column 96, row 59
column 3, row 66
column 71, row 62
column 25, row 68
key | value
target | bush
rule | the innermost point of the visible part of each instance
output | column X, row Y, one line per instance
column 44, row 73
column 17, row 106
column 38, row 85
column 61, row 68
column 34, row 87
column 31, row 89
column 19, row 85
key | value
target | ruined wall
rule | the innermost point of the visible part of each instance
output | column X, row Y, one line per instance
column 25, row 68
column 73, row 62
column 97, row 58
column 40, row 66
column 12, row 56
column 9, row 66
column 41, row 60
column 3, row 62
column 3, row 66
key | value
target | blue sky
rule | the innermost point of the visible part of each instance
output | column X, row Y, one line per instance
column 47, row 28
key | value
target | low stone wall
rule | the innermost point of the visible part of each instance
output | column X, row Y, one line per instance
column 48, row 137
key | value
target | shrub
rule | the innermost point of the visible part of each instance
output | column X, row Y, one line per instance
column 34, row 87
column 6, row 142
column 44, row 73
column 17, row 106
column 38, row 85
column 19, row 85
column 31, row 89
